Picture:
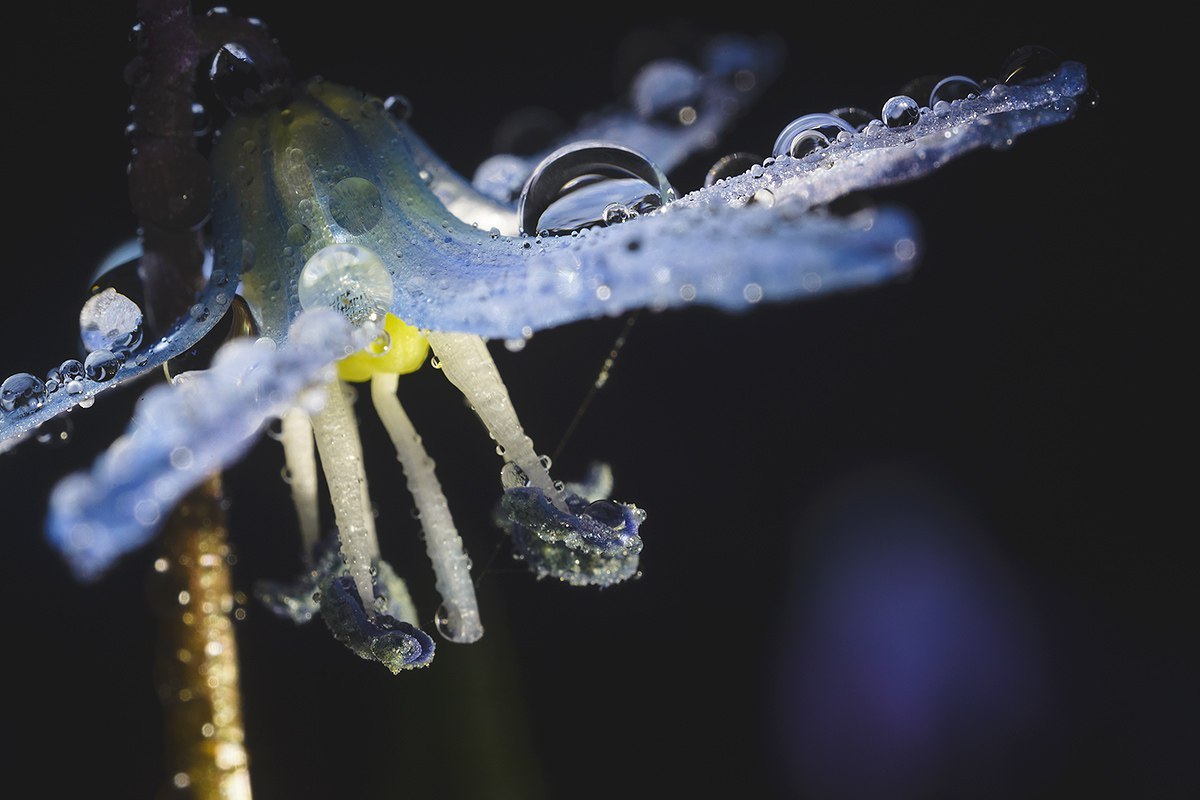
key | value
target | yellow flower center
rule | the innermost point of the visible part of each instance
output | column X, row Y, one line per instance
column 400, row 349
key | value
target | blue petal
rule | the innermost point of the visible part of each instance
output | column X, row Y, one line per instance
column 181, row 434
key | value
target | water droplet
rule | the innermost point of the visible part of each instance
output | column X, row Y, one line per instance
column 763, row 197
column 218, row 277
column 606, row 512
column 953, row 87
column 729, row 166
column 235, row 78
column 399, row 107
column 101, row 365
column 349, row 279
column 198, row 312
column 74, row 387
column 512, row 476
column 578, row 181
column 22, row 394
column 752, row 292
column 666, row 91
column 110, row 321
column 1028, row 64
column 544, row 461
column 380, row 344
column 71, row 369
column 355, row 204
column 900, row 111
column 806, row 133
column 298, row 234
column 87, row 402
column 201, row 120
column 447, row 626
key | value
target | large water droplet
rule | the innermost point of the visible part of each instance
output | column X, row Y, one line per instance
column 349, row 279
column 576, row 171
column 110, row 321
column 22, row 394
column 606, row 512
column 235, row 78
column 101, row 365
column 807, row 133
column 900, row 111
column 355, row 204
column 953, row 87
column 1028, row 64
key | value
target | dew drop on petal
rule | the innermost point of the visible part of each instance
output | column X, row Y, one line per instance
column 101, row 365
column 900, row 111
column 351, row 280
column 110, row 321
column 953, row 87
column 355, row 204
column 22, row 393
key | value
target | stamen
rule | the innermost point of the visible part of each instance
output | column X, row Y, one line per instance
column 458, row 619
column 465, row 360
column 341, row 454
column 301, row 460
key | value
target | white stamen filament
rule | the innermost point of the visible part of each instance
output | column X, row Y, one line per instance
column 301, row 459
column 459, row 620
column 341, row 454
column 467, row 363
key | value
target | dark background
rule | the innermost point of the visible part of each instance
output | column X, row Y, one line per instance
column 1024, row 387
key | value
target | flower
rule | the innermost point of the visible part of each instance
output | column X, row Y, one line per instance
column 323, row 199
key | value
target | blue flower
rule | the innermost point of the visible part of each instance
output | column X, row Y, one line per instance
column 325, row 199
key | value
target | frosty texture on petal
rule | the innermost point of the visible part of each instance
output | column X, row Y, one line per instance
column 181, row 434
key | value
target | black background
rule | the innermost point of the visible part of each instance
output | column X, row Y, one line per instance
column 1031, row 369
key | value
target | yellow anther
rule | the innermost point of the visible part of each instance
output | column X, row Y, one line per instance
column 398, row 350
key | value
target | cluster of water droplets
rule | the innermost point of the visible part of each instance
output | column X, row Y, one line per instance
column 931, row 94
column 110, row 330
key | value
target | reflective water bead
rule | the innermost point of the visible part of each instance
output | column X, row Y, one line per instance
column 1027, row 64
column 21, row 393
column 71, row 369
column 101, row 365
column 954, row 87
column 575, row 166
column 110, row 321
column 355, row 204
column 398, row 106
column 900, row 111
column 235, row 77
column 350, row 279
column 808, row 132
column 606, row 512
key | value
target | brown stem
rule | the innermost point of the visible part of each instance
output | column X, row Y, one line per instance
column 197, row 660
